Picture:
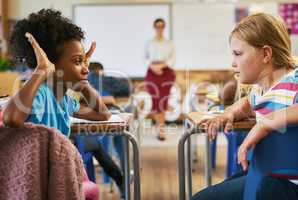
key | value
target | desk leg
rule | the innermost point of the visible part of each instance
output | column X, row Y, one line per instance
column 187, row 131
column 189, row 163
column 208, row 168
column 181, row 170
column 136, row 165
column 126, row 169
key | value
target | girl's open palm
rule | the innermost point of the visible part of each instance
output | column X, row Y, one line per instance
column 43, row 63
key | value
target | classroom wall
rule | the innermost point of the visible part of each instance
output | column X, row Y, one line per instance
column 21, row 8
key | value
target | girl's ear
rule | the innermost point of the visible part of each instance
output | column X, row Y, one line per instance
column 267, row 53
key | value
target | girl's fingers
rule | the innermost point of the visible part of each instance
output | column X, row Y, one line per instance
column 32, row 41
column 209, row 131
column 215, row 130
column 242, row 158
column 91, row 50
column 228, row 127
column 205, row 121
column 39, row 53
column 204, row 126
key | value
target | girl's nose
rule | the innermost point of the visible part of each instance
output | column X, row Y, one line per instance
column 86, row 68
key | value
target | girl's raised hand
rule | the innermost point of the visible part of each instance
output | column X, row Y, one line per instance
column 90, row 51
column 79, row 86
column 44, row 65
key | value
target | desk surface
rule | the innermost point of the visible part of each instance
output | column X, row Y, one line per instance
column 197, row 117
column 103, row 127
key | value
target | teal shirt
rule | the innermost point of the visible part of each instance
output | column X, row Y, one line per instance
column 48, row 111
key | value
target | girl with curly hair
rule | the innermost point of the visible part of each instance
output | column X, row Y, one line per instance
column 51, row 45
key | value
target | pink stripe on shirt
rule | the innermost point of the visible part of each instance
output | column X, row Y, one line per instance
column 264, row 111
column 286, row 86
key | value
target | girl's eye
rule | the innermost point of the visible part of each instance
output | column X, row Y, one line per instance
column 236, row 53
column 78, row 61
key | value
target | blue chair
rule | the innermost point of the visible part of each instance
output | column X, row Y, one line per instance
column 267, row 160
column 234, row 141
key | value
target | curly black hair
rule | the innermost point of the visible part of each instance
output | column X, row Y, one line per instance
column 50, row 29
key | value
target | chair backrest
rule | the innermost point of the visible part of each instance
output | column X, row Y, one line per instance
column 42, row 164
column 274, row 154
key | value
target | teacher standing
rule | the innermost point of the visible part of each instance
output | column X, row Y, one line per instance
column 160, row 57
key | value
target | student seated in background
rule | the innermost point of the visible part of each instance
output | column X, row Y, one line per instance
column 108, row 86
column 93, row 144
column 261, row 51
column 229, row 92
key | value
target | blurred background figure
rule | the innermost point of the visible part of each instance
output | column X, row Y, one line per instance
column 160, row 57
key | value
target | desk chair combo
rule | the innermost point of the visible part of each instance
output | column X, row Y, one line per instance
column 277, row 161
column 280, row 161
column 184, row 152
column 113, row 128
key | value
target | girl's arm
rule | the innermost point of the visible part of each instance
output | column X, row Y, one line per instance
column 93, row 107
column 172, row 58
column 274, row 121
column 19, row 106
column 238, row 111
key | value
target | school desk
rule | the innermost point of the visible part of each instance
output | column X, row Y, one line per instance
column 117, row 125
column 191, row 126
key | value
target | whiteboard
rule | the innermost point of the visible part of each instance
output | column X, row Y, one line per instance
column 200, row 35
column 121, row 33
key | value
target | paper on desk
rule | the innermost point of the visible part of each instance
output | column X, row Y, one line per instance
column 3, row 101
column 113, row 119
column 215, row 112
column 212, row 114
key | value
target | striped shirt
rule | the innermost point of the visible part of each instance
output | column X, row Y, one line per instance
column 282, row 95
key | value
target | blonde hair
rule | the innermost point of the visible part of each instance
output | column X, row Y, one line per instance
column 262, row 29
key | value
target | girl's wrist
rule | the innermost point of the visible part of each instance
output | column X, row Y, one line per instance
column 82, row 86
column 229, row 116
column 264, row 129
column 39, row 74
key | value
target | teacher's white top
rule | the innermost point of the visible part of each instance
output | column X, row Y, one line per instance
column 160, row 50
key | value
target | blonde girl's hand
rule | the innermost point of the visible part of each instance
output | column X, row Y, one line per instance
column 214, row 125
column 44, row 65
column 258, row 132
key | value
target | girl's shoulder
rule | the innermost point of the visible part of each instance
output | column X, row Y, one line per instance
column 291, row 78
